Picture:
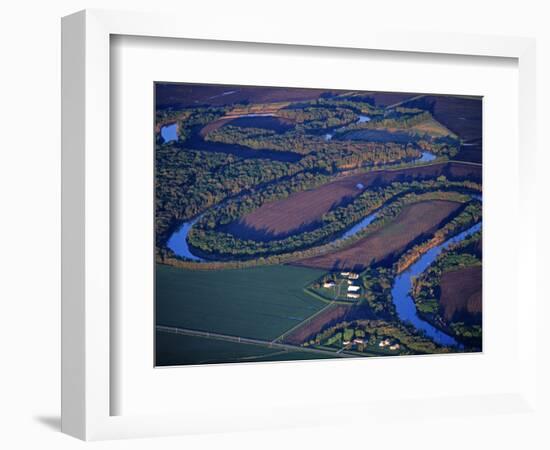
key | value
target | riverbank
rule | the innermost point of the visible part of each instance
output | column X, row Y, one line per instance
column 401, row 292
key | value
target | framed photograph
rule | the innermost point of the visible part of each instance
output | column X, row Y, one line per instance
column 297, row 224
column 250, row 217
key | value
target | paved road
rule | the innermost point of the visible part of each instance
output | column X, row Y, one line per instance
column 244, row 340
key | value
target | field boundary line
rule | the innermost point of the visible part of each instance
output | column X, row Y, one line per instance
column 303, row 322
column 405, row 101
column 245, row 340
column 470, row 163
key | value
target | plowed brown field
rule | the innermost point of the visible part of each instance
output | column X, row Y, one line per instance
column 461, row 291
column 414, row 222
column 302, row 211
column 328, row 317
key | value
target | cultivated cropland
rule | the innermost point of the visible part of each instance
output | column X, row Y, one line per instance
column 299, row 224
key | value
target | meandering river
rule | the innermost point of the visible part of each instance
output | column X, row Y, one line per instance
column 178, row 241
column 358, row 227
column 404, row 304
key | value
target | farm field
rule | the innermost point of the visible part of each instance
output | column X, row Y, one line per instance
column 416, row 220
column 432, row 127
column 429, row 126
column 334, row 313
column 301, row 211
column 461, row 292
column 181, row 349
column 177, row 349
column 261, row 302
column 461, row 115
column 180, row 95
column 385, row 99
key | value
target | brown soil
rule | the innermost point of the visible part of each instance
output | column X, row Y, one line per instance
column 303, row 210
column 328, row 317
column 461, row 291
column 180, row 95
column 415, row 222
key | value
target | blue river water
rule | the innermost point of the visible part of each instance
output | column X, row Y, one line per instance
column 169, row 132
column 426, row 157
column 361, row 119
column 359, row 226
column 178, row 241
column 404, row 304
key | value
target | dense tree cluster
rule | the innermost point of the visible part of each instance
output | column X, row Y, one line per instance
column 371, row 332
column 338, row 152
column 197, row 117
column 398, row 120
column 314, row 118
column 378, row 282
column 359, row 105
column 188, row 182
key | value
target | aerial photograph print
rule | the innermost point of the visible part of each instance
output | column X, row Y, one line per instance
column 305, row 224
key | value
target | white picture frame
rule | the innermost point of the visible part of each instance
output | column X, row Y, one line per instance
column 86, row 218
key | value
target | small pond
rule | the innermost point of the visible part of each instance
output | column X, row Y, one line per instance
column 169, row 132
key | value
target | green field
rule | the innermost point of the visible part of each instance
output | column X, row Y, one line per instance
column 261, row 302
column 177, row 349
